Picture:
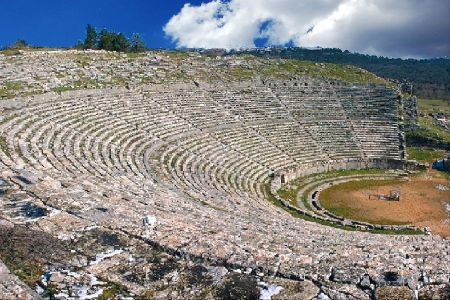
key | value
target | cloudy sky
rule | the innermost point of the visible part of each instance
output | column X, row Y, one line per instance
column 395, row 28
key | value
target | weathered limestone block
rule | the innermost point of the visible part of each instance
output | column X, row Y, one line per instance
column 394, row 292
column 344, row 291
column 346, row 275
column 298, row 290
column 435, row 292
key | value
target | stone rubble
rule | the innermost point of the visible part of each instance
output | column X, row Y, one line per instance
column 165, row 186
column 12, row 288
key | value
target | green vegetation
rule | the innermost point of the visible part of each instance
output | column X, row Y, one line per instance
column 426, row 135
column 15, row 48
column 136, row 44
column 340, row 173
column 20, row 45
column 113, row 291
column 78, row 84
column 64, row 88
column 290, row 195
column 111, row 41
column 90, row 83
column 399, row 232
column 91, row 37
column 428, row 155
column 241, row 72
column 430, row 77
column 287, row 68
column 50, row 291
column 9, row 89
column 357, row 185
column 25, row 252
column 427, row 106
column 133, row 55
column 176, row 56
column 28, row 272
column 4, row 146
column 429, row 134
column 328, row 202
column 433, row 130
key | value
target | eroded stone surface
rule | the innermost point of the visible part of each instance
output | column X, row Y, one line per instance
column 12, row 288
column 393, row 292
column 160, row 191
column 435, row 292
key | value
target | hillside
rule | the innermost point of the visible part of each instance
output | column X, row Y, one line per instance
column 38, row 71
column 156, row 176
column 431, row 77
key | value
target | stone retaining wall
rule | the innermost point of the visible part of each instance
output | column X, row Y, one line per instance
column 357, row 164
column 280, row 180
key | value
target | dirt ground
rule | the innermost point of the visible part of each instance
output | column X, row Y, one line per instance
column 421, row 202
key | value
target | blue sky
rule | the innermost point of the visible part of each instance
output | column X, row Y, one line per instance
column 59, row 23
column 400, row 28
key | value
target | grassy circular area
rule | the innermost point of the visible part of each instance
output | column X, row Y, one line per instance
column 421, row 202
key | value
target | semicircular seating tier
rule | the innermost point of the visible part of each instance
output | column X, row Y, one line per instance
column 200, row 159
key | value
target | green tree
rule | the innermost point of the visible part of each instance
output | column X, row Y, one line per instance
column 91, row 37
column 105, row 40
column 137, row 44
column 120, row 42
column 20, row 44
column 111, row 41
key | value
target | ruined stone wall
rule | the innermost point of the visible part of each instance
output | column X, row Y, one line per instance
column 356, row 164
column 408, row 112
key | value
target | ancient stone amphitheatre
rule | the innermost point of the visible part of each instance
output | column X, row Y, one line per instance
column 158, row 176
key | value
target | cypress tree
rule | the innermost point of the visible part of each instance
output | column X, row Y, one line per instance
column 91, row 37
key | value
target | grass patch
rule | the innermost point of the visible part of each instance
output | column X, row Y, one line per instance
column 18, row 262
column 177, row 56
column 9, row 89
column 83, row 60
column 4, row 146
column 340, row 173
column 433, row 106
column 243, row 67
column 271, row 198
column 432, row 130
column 428, row 155
column 290, row 194
column 50, row 291
column 134, row 55
column 113, row 291
column 286, row 68
column 241, row 72
column 76, row 85
column 63, row 88
column 296, row 214
column 10, row 52
column 429, row 132
column 362, row 184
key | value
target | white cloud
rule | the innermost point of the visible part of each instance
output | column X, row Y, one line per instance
column 384, row 27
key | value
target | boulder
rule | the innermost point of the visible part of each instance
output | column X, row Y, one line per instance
column 394, row 292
